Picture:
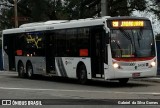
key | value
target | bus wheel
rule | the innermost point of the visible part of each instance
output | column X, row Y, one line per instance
column 123, row 81
column 82, row 75
column 21, row 73
column 30, row 71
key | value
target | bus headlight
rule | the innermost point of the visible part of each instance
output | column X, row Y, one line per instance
column 115, row 65
column 153, row 63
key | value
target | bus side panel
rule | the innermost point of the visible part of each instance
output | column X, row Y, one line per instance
column 60, row 70
column 70, row 64
column 109, row 73
column 38, row 63
column 67, row 66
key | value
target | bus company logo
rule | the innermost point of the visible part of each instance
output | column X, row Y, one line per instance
column 131, row 64
column 6, row 102
column 66, row 62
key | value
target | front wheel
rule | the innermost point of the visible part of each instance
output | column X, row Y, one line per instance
column 123, row 81
column 82, row 74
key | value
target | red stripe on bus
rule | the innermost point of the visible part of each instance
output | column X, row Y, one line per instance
column 133, row 59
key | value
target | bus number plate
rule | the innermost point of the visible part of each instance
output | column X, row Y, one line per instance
column 136, row 75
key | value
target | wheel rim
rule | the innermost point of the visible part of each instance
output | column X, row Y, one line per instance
column 30, row 71
column 82, row 75
column 21, row 70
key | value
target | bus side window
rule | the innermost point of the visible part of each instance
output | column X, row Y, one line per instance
column 60, row 43
column 71, row 42
column 83, row 40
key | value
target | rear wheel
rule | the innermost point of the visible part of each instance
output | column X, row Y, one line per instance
column 82, row 74
column 30, row 71
column 123, row 81
column 21, row 73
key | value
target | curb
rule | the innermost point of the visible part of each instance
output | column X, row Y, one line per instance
column 152, row 79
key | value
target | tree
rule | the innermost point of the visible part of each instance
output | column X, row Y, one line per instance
column 125, row 7
column 77, row 9
column 155, row 7
column 42, row 10
column 34, row 11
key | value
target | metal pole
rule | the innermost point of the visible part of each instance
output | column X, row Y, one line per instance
column 15, row 13
column 104, row 8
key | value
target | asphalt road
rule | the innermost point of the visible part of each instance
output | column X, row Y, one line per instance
column 69, row 92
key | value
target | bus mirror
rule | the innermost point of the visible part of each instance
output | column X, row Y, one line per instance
column 107, row 38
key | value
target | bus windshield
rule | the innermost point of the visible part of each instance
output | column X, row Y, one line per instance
column 138, row 42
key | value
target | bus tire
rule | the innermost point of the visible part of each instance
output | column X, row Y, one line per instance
column 123, row 81
column 21, row 72
column 82, row 74
column 29, row 71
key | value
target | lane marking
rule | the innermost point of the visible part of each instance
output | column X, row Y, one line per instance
column 83, row 91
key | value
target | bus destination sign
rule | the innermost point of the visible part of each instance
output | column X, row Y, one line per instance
column 123, row 23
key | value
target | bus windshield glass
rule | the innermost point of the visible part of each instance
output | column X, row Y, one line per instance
column 132, row 42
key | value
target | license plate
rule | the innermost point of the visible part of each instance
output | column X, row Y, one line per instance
column 136, row 75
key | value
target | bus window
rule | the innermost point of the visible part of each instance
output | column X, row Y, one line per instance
column 60, row 43
column 71, row 43
column 31, row 44
column 83, row 39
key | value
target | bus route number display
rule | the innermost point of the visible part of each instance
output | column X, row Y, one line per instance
column 128, row 23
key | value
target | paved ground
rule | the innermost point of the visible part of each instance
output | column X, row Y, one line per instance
column 12, row 87
column 152, row 79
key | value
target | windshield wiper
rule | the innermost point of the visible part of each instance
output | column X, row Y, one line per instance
column 126, row 35
column 139, row 34
column 129, row 38
column 118, row 46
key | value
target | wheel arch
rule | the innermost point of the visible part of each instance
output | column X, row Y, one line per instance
column 78, row 66
column 28, row 62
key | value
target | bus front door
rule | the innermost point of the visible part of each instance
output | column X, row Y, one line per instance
column 97, row 66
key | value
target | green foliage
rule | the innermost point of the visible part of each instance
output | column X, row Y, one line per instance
column 125, row 8
column 77, row 9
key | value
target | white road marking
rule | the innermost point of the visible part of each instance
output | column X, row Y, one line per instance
column 83, row 91
column 153, row 78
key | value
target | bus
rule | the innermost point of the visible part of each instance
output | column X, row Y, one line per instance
column 106, row 48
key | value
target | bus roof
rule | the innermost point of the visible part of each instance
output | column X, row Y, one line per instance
column 62, row 24
column 128, row 18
